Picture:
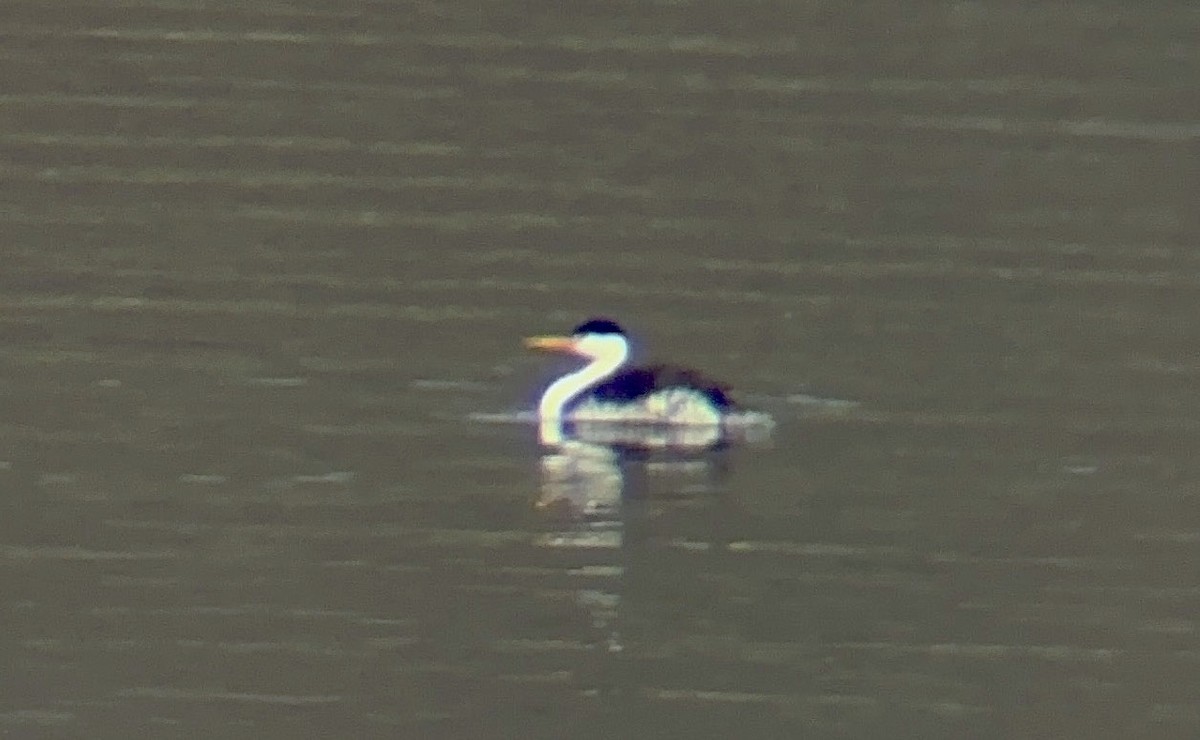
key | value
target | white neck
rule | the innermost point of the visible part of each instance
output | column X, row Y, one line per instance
column 566, row 388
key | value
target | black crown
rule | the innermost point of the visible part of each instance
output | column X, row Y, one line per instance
column 599, row 326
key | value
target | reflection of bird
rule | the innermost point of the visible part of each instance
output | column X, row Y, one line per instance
column 582, row 480
column 605, row 391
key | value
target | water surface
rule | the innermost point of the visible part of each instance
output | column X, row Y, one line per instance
column 263, row 262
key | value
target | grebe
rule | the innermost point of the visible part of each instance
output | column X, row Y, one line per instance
column 602, row 391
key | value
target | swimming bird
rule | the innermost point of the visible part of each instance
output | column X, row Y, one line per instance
column 604, row 390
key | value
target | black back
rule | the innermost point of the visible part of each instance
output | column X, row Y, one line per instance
column 637, row 382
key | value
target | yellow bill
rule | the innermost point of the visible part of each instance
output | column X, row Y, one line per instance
column 556, row 344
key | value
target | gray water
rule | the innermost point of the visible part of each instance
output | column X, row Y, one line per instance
column 262, row 263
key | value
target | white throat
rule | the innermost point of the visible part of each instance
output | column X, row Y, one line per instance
column 607, row 354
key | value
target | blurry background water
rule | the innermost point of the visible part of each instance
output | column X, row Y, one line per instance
column 262, row 261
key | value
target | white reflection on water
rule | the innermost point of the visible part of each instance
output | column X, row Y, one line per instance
column 585, row 489
column 584, row 477
column 582, row 490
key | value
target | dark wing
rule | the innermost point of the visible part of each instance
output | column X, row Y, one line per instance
column 637, row 382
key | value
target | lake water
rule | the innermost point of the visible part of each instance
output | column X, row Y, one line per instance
column 265, row 264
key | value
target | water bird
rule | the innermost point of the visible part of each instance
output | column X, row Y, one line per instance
column 605, row 390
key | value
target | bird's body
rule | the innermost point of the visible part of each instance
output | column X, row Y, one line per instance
column 605, row 390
